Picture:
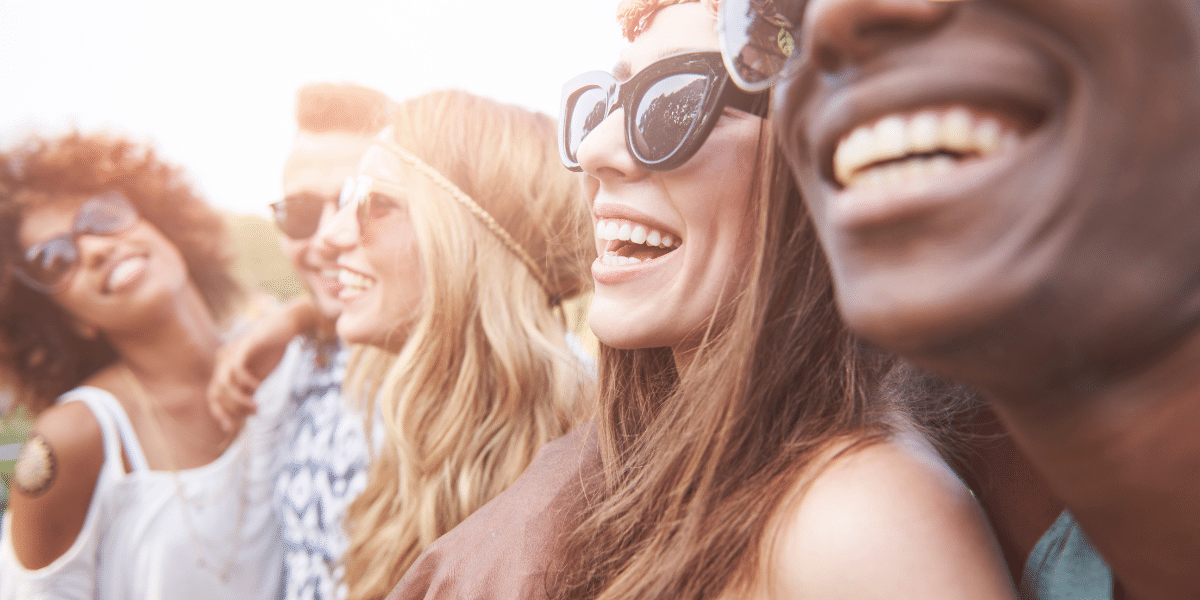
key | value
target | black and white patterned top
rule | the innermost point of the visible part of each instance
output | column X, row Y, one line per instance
column 323, row 470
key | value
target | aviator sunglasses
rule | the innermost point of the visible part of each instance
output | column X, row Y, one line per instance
column 47, row 266
column 299, row 215
column 759, row 39
column 670, row 108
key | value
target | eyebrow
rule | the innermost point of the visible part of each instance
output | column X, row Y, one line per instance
column 623, row 71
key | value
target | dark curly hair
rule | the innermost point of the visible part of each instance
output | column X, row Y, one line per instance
column 40, row 351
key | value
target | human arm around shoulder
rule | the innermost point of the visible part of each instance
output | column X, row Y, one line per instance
column 53, row 482
column 502, row 551
column 245, row 362
column 888, row 521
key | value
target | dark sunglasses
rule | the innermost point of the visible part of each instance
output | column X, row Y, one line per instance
column 670, row 108
column 47, row 266
column 758, row 40
column 298, row 215
column 367, row 193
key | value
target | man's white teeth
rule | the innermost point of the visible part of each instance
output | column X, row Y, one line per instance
column 350, row 279
column 330, row 274
column 125, row 271
column 910, row 140
column 613, row 229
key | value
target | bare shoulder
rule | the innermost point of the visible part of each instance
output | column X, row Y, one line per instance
column 890, row 520
column 53, row 481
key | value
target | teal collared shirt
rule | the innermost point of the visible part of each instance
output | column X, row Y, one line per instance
column 1065, row 566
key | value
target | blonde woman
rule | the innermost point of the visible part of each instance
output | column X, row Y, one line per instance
column 459, row 241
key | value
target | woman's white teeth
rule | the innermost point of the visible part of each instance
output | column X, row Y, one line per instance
column 922, row 144
column 125, row 271
column 611, row 259
column 613, row 229
column 355, row 281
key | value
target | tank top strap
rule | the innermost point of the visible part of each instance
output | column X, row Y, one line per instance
column 113, row 420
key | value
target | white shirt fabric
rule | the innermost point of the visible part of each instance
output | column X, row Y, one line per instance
column 202, row 533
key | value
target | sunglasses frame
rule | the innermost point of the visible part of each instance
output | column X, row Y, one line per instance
column 302, row 198
column 358, row 189
column 111, row 197
column 785, row 41
column 719, row 94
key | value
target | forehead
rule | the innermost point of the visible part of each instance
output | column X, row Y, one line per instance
column 380, row 163
column 320, row 162
column 677, row 28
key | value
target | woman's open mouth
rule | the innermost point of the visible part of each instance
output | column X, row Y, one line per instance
column 632, row 243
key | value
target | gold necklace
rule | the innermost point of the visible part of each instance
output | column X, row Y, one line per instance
column 199, row 548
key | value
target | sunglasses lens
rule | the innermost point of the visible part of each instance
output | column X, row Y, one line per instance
column 105, row 214
column 50, row 262
column 588, row 110
column 756, row 39
column 298, row 218
column 666, row 114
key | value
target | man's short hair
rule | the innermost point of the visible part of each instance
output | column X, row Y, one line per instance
column 340, row 107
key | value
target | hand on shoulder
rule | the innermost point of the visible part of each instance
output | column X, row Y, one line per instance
column 888, row 521
column 55, row 475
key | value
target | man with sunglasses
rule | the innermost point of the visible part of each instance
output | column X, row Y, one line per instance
column 1007, row 193
column 325, row 465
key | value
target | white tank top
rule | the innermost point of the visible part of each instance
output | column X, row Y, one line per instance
column 203, row 533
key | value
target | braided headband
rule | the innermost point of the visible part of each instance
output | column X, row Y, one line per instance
column 465, row 200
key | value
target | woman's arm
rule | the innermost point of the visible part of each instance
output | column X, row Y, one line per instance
column 889, row 521
column 53, row 482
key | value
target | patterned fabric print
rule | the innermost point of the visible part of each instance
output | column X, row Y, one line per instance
column 326, row 468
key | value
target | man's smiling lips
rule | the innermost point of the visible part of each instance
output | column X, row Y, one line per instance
column 919, row 128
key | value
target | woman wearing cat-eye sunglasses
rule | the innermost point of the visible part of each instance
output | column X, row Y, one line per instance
column 119, row 283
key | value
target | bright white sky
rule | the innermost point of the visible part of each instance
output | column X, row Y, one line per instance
column 212, row 83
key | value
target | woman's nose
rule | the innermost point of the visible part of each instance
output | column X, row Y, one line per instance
column 604, row 154
column 95, row 249
column 322, row 244
column 843, row 33
column 339, row 231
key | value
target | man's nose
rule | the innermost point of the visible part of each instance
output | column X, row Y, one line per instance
column 844, row 33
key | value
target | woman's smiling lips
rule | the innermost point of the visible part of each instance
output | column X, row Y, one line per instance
column 353, row 284
column 634, row 243
column 124, row 272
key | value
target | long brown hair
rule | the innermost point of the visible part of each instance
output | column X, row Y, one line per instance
column 699, row 463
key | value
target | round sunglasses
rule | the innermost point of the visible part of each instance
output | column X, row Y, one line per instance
column 368, row 194
column 47, row 266
column 670, row 108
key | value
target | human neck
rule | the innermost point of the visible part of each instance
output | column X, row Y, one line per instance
column 1124, row 456
column 177, row 344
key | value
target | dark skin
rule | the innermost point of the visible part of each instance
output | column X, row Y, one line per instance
column 1055, row 274
column 1019, row 504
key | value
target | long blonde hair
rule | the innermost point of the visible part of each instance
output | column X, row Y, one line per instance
column 485, row 376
